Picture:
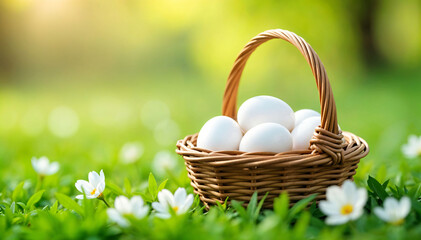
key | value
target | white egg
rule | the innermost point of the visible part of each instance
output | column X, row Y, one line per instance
column 267, row 137
column 265, row 109
column 303, row 114
column 302, row 134
column 220, row 133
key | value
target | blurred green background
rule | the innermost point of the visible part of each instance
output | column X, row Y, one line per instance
column 79, row 79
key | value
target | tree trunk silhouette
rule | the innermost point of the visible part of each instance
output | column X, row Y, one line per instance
column 364, row 13
column 6, row 56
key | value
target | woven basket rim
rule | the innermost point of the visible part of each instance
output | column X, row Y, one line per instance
column 355, row 148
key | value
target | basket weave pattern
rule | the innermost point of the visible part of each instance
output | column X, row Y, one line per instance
column 332, row 158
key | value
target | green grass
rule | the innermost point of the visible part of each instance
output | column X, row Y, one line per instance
column 378, row 108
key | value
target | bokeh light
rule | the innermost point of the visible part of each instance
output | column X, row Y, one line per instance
column 63, row 122
column 131, row 152
column 163, row 162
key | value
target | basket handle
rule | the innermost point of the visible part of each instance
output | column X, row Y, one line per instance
column 327, row 137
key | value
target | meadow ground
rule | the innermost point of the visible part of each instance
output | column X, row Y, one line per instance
column 130, row 129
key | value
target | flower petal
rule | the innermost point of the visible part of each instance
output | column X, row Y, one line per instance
column 349, row 186
column 40, row 165
column 34, row 162
column 186, row 205
column 136, row 203
column 350, row 191
column 356, row 213
column 336, row 219
column 79, row 196
column 159, row 208
column 101, row 176
column 122, row 205
column 165, row 197
column 92, row 196
column 336, row 195
column 180, row 196
column 390, row 203
column 43, row 162
column 116, row 217
column 112, row 213
column 404, row 206
column 381, row 213
column 328, row 208
column 411, row 149
column 82, row 185
column 53, row 168
column 163, row 215
column 93, row 178
column 361, row 199
column 141, row 212
column 100, row 187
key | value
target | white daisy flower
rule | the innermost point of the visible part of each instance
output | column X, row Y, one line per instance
column 93, row 188
column 44, row 167
column 178, row 203
column 131, row 152
column 413, row 148
column 164, row 161
column 394, row 211
column 343, row 203
column 124, row 207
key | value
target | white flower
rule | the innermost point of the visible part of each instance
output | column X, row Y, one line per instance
column 413, row 148
column 93, row 188
column 131, row 152
column 164, row 161
column 178, row 203
column 124, row 207
column 343, row 203
column 394, row 211
column 43, row 166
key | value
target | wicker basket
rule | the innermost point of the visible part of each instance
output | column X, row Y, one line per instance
column 332, row 158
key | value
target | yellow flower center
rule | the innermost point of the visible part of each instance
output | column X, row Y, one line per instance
column 93, row 191
column 175, row 208
column 398, row 222
column 346, row 209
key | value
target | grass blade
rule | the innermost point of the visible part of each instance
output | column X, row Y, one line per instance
column 34, row 199
column 300, row 205
column 153, row 186
column 17, row 192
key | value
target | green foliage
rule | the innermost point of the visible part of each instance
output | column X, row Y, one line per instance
column 69, row 203
column 127, row 187
column 378, row 190
column 153, row 189
column 115, row 188
column 300, row 205
column 64, row 218
column 251, row 213
column 17, row 193
column 34, row 199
